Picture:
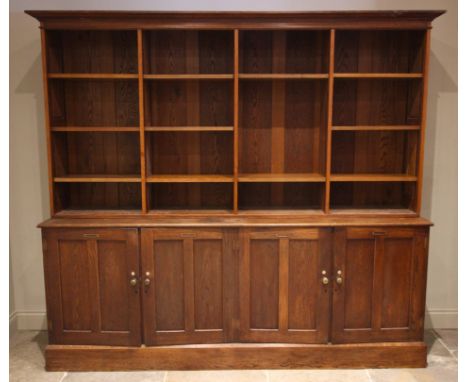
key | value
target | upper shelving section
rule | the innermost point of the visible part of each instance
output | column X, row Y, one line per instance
column 236, row 112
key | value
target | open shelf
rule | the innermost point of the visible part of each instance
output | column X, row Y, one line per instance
column 92, row 51
column 190, row 196
column 93, row 103
column 373, row 195
column 188, row 103
column 281, row 196
column 190, row 179
column 374, row 152
column 188, row 52
column 97, row 196
column 379, row 51
column 252, row 119
column 377, row 102
column 189, row 153
column 282, row 127
column 283, row 51
column 95, row 155
column 281, row 178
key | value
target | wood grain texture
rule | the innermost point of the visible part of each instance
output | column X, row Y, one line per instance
column 376, row 299
column 89, row 296
column 237, row 356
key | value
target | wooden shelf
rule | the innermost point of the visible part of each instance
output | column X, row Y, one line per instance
column 190, row 178
column 93, row 76
column 283, row 76
column 373, row 178
column 378, row 75
column 188, row 76
column 377, row 128
column 97, row 178
column 189, row 128
column 281, row 178
column 110, row 129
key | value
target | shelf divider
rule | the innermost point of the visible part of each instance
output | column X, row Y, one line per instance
column 331, row 70
column 235, row 190
column 141, row 110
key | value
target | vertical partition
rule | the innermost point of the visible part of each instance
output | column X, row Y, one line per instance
column 331, row 69
column 236, row 123
column 141, row 110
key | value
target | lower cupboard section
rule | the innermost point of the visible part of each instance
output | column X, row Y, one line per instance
column 179, row 286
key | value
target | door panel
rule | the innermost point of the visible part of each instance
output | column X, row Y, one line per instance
column 190, row 288
column 89, row 296
column 382, row 294
column 283, row 298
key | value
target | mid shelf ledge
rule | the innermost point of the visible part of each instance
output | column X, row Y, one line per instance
column 270, row 178
column 190, row 178
column 373, row 178
column 97, row 178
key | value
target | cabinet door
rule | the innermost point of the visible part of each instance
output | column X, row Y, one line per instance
column 189, row 277
column 90, row 299
column 282, row 291
column 382, row 293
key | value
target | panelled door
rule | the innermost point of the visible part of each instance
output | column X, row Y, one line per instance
column 93, row 295
column 285, row 285
column 379, row 284
column 188, row 285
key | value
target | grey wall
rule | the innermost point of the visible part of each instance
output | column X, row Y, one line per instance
column 28, row 165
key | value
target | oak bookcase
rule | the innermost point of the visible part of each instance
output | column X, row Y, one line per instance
column 235, row 190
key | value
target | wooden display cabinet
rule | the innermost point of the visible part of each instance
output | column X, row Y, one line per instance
column 235, row 190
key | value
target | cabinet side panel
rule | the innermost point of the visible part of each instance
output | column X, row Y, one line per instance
column 169, row 273
column 264, row 284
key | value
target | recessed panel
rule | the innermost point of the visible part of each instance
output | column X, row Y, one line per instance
column 113, row 285
column 208, row 283
column 169, row 285
column 304, row 284
column 397, row 283
column 359, row 283
column 74, row 283
column 264, row 284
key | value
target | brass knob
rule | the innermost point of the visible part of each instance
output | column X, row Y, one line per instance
column 147, row 282
column 133, row 281
column 325, row 280
column 339, row 280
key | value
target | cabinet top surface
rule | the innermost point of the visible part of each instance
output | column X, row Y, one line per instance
column 319, row 221
column 131, row 19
